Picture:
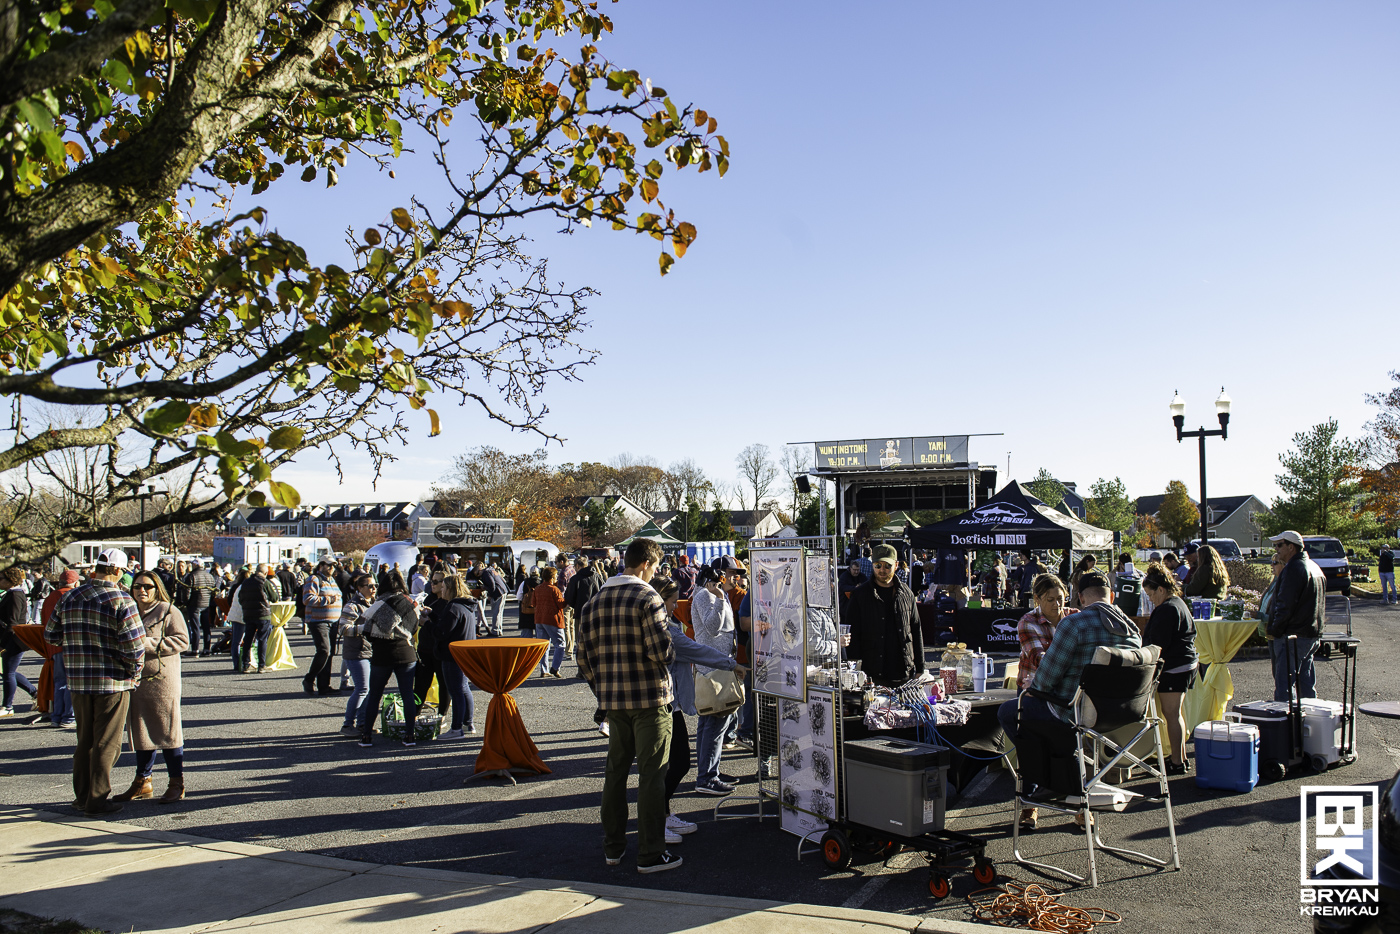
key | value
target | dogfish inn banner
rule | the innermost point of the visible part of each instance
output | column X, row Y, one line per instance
column 877, row 453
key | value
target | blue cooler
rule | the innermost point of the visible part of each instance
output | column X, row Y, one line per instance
column 1227, row 755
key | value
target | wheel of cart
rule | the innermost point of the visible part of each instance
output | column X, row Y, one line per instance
column 1273, row 770
column 836, row 849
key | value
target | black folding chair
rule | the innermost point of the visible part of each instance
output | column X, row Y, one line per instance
column 1069, row 759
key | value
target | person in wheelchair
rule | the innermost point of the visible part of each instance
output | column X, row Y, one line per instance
column 1051, row 690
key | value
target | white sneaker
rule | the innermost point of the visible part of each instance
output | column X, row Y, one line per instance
column 672, row 837
column 675, row 825
column 452, row 734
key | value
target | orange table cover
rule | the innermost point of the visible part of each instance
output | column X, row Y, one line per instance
column 32, row 635
column 500, row 666
column 683, row 614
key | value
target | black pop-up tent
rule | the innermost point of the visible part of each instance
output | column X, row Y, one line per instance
column 1012, row 519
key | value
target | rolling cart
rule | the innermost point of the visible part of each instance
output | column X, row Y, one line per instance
column 896, row 791
column 1323, row 733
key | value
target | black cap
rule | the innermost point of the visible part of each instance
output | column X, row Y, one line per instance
column 1093, row 579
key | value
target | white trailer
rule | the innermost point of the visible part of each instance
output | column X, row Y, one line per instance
column 86, row 552
column 239, row 550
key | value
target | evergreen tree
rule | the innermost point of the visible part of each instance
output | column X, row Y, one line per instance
column 720, row 527
column 1046, row 488
column 1320, row 483
column 693, row 523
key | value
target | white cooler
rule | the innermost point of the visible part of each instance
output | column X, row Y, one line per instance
column 1322, row 732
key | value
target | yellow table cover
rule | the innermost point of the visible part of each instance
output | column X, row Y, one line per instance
column 279, row 650
column 1217, row 641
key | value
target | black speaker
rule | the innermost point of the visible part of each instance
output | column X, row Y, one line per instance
column 803, row 484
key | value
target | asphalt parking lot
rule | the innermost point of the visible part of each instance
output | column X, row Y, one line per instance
column 265, row 764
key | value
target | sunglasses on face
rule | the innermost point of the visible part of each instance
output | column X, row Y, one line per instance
column 143, row 586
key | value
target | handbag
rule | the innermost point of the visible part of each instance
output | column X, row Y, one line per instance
column 718, row 693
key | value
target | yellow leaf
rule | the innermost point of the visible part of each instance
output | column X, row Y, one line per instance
column 205, row 415
column 401, row 219
column 433, row 417
column 666, row 262
column 74, row 151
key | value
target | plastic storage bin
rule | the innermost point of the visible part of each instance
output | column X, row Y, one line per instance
column 1322, row 732
column 1227, row 755
column 896, row 786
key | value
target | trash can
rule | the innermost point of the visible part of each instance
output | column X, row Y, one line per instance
column 1128, row 594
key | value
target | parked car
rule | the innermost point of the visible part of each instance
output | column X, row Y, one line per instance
column 1328, row 554
column 1228, row 548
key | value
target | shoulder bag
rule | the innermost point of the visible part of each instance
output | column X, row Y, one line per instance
column 718, row 693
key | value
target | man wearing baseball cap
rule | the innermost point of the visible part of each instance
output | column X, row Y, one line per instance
column 104, row 644
column 1296, row 610
column 885, row 631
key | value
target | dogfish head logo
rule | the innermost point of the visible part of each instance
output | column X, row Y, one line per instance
column 997, row 513
column 449, row 533
column 1003, row 630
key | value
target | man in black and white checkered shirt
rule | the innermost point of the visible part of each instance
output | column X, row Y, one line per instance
column 625, row 653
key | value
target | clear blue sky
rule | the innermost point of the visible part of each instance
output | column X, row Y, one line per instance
column 1030, row 218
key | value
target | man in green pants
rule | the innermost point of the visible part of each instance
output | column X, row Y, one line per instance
column 625, row 654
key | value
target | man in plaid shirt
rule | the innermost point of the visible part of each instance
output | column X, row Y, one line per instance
column 104, row 644
column 1076, row 639
column 625, row 653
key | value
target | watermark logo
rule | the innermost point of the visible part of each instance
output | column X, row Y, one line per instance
column 1339, row 850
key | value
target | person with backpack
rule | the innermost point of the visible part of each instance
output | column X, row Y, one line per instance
column 525, row 596
column 495, row 590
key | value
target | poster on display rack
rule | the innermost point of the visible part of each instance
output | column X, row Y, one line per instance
column 819, row 581
column 807, row 761
column 779, row 623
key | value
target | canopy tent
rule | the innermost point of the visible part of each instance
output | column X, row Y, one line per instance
column 654, row 532
column 1012, row 519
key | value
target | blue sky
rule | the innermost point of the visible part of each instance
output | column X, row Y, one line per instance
column 1032, row 218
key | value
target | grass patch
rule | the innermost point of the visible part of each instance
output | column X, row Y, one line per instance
column 17, row 922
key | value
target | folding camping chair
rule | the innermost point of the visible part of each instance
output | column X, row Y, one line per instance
column 1069, row 760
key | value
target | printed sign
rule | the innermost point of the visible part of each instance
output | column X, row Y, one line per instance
column 877, row 453
column 450, row 533
column 819, row 581
column 807, row 761
column 779, row 622
column 1339, row 851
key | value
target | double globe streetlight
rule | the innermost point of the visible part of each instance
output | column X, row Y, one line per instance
column 1222, row 412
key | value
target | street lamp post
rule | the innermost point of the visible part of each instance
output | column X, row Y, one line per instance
column 143, row 494
column 1222, row 412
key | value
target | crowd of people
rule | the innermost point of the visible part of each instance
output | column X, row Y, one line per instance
column 122, row 632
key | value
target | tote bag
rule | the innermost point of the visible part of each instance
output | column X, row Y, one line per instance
column 718, row 693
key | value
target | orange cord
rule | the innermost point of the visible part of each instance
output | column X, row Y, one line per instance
column 1036, row 908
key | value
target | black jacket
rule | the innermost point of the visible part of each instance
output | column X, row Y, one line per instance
column 1298, row 600
column 453, row 621
column 866, row 614
column 254, row 597
column 14, row 611
column 582, row 588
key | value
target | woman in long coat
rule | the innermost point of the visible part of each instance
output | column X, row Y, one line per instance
column 154, row 716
